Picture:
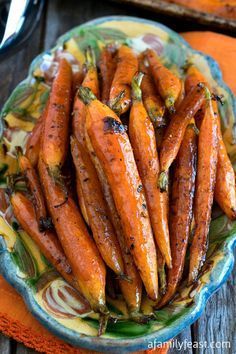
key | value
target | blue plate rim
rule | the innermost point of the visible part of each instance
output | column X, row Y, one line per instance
column 7, row 267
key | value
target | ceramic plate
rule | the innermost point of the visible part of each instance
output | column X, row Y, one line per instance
column 53, row 302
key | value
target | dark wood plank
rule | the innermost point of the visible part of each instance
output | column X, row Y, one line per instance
column 5, row 345
column 178, row 344
column 21, row 349
column 217, row 324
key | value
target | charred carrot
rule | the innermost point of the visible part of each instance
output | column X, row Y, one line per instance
column 34, row 139
column 86, row 263
column 56, row 125
column 107, row 68
column 205, row 184
column 182, row 195
column 35, row 189
column 127, row 65
column 102, row 229
column 176, row 129
column 47, row 240
column 225, row 177
column 132, row 291
column 142, row 137
column 168, row 85
column 112, row 147
column 152, row 101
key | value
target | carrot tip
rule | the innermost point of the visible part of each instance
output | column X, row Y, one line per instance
column 90, row 57
column 115, row 104
column 163, row 181
column 86, row 95
column 125, row 277
column 141, row 318
column 169, row 102
column 136, row 90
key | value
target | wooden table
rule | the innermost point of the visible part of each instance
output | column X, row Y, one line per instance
column 217, row 323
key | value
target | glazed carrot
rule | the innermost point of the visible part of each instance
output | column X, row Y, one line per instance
column 182, row 195
column 112, row 147
column 132, row 291
column 176, row 129
column 82, row 202
column 142, row 137
column 35, row 189
column 107, row 68
column 168, row 85
column 225, row 178
column 152, row 101
column 127, row 65
column 47, row 240
column 79, row 116
column 225, row 193
column 91, row 77
column 34, row 138
column 56, row 125
column 205, row 184
column 90, row 81
column 86, row 263
column 102, row 229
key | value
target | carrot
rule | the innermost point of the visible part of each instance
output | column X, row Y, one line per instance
column 102, row 229
column 225, row 194
column 112, row 147
column 225, row 177
column 181, row 209
column 79, row 116
column 107, row 68
column 91, row 77
column 132, row 291
column 82, row 202
column 176, row 129
column 35, row 189
column 47, row 241
column 168, row 85
column 34, row 139
column 152, row 101
column 127, row 65
column 205, row 184
column 142, row 136
column 56, row 125
column 86, row 263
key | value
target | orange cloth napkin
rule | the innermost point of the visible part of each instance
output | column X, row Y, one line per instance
column 15, row 320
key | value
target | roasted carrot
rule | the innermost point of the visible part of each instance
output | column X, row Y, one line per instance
column 142, row 137
column 102, row 229
column 176, row 129
column 225, row 177
column 107, row 68
column 182, row 194
column 79, row 115
column 205, row 184
column 225, row 193
column 168, row 85
column 132, row 291
column 152, row 101
column 127, row 65
column 47, row 240
column 34, row 187
column 56, row 124
column 34, row 139
column 86, row 263
column 87, row 180
column 112, row 147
